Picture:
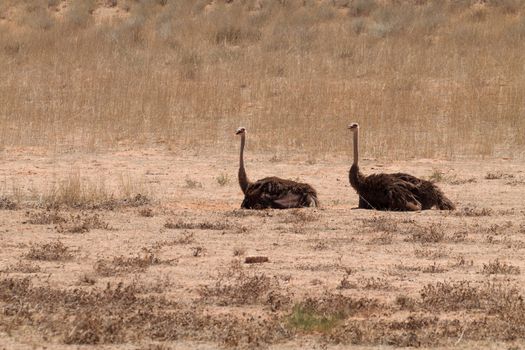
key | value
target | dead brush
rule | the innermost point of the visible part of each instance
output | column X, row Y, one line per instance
column 184, row 225
column 121, row 314
column 375, row 283
column 53, row 251
column 451, row 296
column 184, row 238
column 434, row 233
column 121, row 265
column 500, row 299
column 498, row 175
column 384, row 238
column 77, row 192
column 198, row 251
column 324, row 313
column 499, row 267
column 82, row 223
column 473, row 212
column 406, row 303
column 146, row 212
column 345, row 283
column 238, row 287
column 380, row 224
column 299, row 216
column 461, row 262
column 22, row 267
column 45, row 217
column 320, row 245
column 190, row 183
column 434, row 268
column 429, row 253
column 242, row 213
column 7, row 204
column 461, row 181
column 87, row 279
column 494, row 298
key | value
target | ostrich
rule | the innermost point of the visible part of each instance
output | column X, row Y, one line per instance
column 273, row 192
column 399, row 191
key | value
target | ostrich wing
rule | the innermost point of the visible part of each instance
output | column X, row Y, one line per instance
column 273, row 192
column 290, row 200
column 402, row 196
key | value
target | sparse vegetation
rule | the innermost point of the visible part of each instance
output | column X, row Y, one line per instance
column 7, row 204
column 174, row 95
column 45, row 217
column 436, row 176
column 183, row 239
column 77, row 192
column 82, row 317
column 238, row 287
column 184, row 225
column 82, row 223
column 146, row 212
column 223, row 179
column 309, row 320
column 473, row 211
column 433, row 233
column 120, row 265
column 498, row 175
column 500, row 267
column 192, row 183
column 380, row 224
column 22, row 266
column 53, row 251
column 299, row 216
column 104, row 103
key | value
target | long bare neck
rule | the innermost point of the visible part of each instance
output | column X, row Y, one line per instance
column 355, row 175
column 243, row 179
column 356, row 147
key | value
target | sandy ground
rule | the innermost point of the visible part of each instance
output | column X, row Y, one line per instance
column 334, row 249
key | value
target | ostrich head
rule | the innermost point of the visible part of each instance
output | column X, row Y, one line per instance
column 240, row 131
column 353, row 126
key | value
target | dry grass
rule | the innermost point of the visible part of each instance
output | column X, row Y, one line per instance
column 500, row 267
column 22, row 266
column 53, row 251
column 299, row 216
column 473, row 212
column 236, row 286
column 44, row 217
column 77, row 192
column 82, row 223
column 184, row 225
column 381, row 224
column 74, row 223
column 7, row 204
column 183, row 239
column 119, row 314
column 191, row 78
column 146, row 212
column 433, row 233
column 121, row 265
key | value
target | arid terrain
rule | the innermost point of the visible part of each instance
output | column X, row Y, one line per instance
column 120, row 225
column 146, row 250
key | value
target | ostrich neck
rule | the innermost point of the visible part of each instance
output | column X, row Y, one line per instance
column 355, row 175
column 243, row 179
column 356, row 147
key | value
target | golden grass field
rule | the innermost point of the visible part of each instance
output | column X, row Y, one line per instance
column 120, row 225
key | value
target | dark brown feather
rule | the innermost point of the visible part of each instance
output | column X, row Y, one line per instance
column 277, row 193
column 399, row 191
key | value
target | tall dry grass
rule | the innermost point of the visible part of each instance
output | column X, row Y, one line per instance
column 424, row 78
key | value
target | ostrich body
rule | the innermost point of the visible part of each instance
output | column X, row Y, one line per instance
column 273, row 192
column 399, row 191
